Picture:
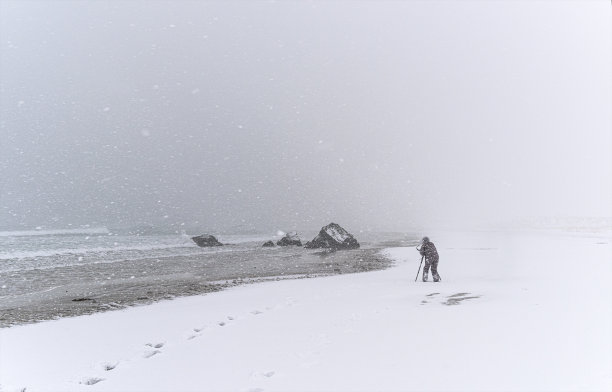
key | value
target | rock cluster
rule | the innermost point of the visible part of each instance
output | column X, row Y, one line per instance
column 333, row 236
column 290, row 239
column 206, row 240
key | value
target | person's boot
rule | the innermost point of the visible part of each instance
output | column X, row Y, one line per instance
column 436, row 278
column 424, row 276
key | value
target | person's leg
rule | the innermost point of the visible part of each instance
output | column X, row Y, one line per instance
column 434, row 270
column 426, row 269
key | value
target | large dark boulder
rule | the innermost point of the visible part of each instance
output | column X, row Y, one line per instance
column 290, row 239
column 333, row 236
column 206, row 240
column 268, row 244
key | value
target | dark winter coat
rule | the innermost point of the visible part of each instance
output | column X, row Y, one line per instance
column 428, row 249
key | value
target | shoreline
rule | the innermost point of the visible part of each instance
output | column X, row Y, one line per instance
column 129, row 293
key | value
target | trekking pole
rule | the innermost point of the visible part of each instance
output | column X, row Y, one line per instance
column 419, row 271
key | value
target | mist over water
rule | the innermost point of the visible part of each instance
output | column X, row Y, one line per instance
column 259, row 116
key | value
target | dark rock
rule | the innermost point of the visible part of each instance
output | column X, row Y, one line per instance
column 84, row 299
column 290, row 239
column 206, row 240
column 333, row 236
column 268, row 244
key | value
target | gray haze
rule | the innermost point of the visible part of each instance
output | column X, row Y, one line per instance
column 265, row 115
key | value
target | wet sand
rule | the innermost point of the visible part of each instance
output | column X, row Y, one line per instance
column 85, row 289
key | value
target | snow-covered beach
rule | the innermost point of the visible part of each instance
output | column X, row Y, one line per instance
column 166, row 169
column 514, row 311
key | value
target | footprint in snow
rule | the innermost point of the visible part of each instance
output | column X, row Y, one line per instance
column 457, row 295
column 456, row 299
column 155, row 345
column 91, row 381
column 223, row 323
column 263, row 374
column 256, row 312
column 428, row 296
column 289, row 301
column 151, row 353
column 109, row 366
column 198, row 332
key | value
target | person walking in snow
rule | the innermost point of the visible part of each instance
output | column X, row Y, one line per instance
column 428, row 249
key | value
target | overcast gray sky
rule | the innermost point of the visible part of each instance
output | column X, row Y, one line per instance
column 376, row 115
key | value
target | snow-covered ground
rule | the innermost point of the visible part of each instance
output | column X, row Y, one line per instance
column 528, row 311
